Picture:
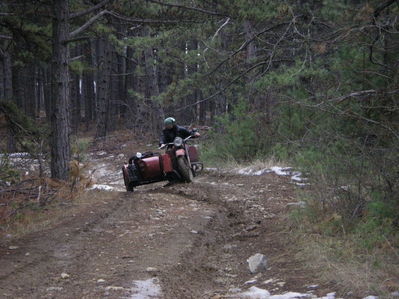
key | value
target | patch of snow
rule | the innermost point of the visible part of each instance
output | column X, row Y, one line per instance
column 271, row 280
column 302, row 184
column 245, row 171
column 102, row 187
column 258, row 293
column 371, row 297
column 15, row 155
column 300, row 204
column 255, row 293
column 146, row 289
column 283, row 171
column 261, row 172
column 296, row 176
column 101, row 153
column 345, row 188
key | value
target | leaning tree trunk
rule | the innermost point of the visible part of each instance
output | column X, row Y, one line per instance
column 60, row 146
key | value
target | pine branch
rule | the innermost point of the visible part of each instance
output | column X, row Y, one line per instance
column 380, row 8
column 123, row 18
column 147, row 21
column 87, row 24
column 197, row 9
column 89, row 10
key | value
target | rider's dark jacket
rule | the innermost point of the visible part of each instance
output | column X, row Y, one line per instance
column 168, row 135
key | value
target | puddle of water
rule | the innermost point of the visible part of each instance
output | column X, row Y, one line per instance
column 146, row 289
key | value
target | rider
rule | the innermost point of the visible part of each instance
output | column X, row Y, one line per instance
column 172, row 131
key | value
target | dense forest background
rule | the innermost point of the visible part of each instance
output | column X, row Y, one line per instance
column 314, row 83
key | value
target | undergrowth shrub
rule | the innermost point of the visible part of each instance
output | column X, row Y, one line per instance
column 237, row 136
column 79, row 148
column 8, row 173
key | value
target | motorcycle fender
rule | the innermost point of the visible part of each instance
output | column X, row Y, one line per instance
column 180, row 152
column 167, row 163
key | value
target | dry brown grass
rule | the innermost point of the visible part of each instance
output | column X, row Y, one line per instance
column 35, row 217
column 340, row 261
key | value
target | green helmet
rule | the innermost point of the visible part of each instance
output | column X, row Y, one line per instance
column 169, row 121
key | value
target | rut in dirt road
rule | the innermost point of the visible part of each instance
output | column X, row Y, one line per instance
column 181, row 241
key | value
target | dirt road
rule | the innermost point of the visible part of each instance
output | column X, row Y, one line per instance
column 181, row 241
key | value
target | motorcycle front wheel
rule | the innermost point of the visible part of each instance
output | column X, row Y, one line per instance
column 184, row 169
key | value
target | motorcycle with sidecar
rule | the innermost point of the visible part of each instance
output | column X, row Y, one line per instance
column 180, row 163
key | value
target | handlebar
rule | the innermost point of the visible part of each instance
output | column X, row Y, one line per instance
column 172, row 143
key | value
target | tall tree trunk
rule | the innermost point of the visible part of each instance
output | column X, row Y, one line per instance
column 7, row 65
column 103, row 85
column 8, row 95
column 75, row 103
column 115, row 90
column 2, row 74
column 30, row 99
column 88, row 94
column 94, row 64
column 17, row 86
column 60, row 145
column 130, row 104
column 47, row 92
column 152, row 90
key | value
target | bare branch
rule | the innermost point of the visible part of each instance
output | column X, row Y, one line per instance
column 220, row 28
column 380, row 8
column 376, row 13
column 245, row 44
column 88, row 23
column 147, row 21
column 188, row 8
column 2, row 36
column 227, row 86
column 76, row 58
column 123, row 18
column 353, row 94
column 89, row 10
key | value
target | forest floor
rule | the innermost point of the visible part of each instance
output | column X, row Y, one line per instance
column 179, row 241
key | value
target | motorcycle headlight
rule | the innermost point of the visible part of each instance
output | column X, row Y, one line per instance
column 178, row 142
column 139, row 155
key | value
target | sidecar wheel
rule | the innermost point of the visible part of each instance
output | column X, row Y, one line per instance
column 184, row 169
column 129, row 186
